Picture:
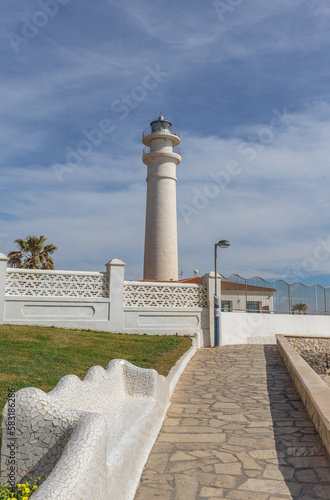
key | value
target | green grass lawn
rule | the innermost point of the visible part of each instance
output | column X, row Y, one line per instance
column 34, row 356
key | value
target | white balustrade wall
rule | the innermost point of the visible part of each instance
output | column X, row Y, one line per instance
column 146, row 294
column 102, row 301
column 56, row 283
column 170, row 308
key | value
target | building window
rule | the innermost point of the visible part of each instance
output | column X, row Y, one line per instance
column 225, row 306
column 253, row 307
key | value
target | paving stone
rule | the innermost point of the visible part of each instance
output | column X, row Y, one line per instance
column 245, row 495
column 148, row 472
column 164, row 481
column 225, row 457
column 158, row 462
column 183, row 466
column 160, row 447
column 180, row 455
column 323, row 474
column 251, row 443
column 310, row 462
column 252, row 473
column 233, row 469
column 247, row 461
column 227, row 482
column 195, row 446
column 273, row 472
column 306, row 476
column 188, row 438
column 208, row 479
column 191, row 430
column 232, row 427
column 144, row 493
column 172, row 421
column 216, row 423
column 271, row 486
column 185, row 487
column 201, row 454
column 207, row 468
column 322, row 491
column 262, row 423
column 237, row 429
column 276, row 498
column 264, row 454
column 189, row 421
column 211, row 492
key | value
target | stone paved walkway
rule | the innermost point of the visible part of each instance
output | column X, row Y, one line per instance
column 236, row 429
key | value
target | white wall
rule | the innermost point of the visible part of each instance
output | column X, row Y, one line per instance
column 105, row 302
column 45, row 311
column 158, row 321
column 243, row 328
column 102, row 301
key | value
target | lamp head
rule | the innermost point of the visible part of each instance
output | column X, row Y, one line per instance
column 223, row 244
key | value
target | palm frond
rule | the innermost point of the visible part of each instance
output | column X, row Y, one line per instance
column 32, row 254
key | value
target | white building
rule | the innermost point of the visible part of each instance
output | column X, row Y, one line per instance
column 240, row 297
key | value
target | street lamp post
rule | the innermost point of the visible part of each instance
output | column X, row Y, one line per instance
column 221, row 244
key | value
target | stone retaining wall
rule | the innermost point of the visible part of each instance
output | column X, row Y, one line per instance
column 315, row 351
column 314, row 392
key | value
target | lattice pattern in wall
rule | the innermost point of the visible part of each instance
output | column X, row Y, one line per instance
column 57, row 285
column 164, row 296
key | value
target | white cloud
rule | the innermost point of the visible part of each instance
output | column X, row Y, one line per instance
column 273, row 210
column 223, row 79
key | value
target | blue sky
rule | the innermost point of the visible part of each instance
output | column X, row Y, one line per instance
column 245, row 82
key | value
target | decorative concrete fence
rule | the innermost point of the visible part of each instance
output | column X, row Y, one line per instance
column 167, row 308
column 91, row 437
column 105, row 301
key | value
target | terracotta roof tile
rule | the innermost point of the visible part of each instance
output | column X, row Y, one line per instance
column 225, row 285
column 196, row 280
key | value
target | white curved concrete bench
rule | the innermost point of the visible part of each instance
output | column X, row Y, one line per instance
column 91, row 437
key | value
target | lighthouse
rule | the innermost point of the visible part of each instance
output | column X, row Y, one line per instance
column 161, row 239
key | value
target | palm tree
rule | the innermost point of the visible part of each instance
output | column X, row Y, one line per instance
column 299, row 308
column 32, row 254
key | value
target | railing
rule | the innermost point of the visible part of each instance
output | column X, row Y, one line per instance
column 173, row 131
column 176, row 150
column 277, row 296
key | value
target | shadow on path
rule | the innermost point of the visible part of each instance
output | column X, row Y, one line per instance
column 303, row 460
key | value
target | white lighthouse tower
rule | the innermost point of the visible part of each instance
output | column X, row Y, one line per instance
column 161, row 239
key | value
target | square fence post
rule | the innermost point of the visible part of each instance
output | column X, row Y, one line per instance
column 209, row 281
column 115, row 269
column 3, row 277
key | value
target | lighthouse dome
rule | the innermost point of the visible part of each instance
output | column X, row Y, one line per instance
column 160, row 124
